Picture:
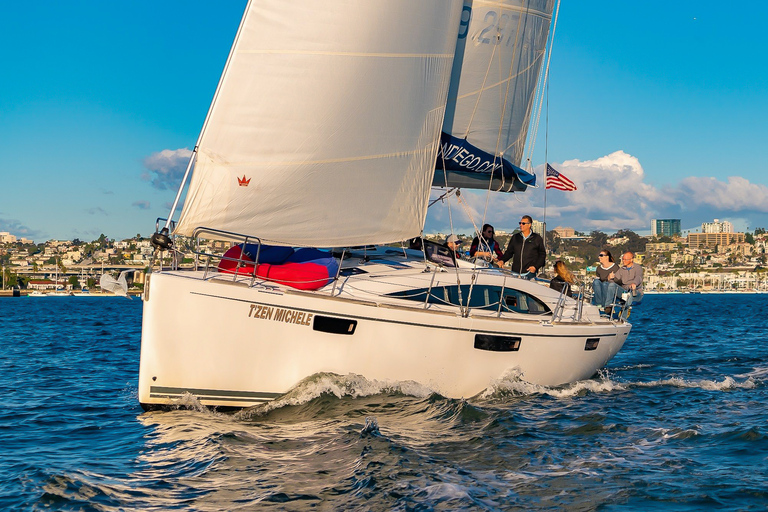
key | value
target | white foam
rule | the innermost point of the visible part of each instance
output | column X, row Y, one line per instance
column 350, row 385
column 511, row 383
column 757, row 373
column 446, row 491
column 728, row 383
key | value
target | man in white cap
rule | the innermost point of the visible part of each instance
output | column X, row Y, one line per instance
column 453, row 243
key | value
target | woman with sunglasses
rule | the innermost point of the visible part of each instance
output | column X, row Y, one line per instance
column 485, row 246
column 603, row 286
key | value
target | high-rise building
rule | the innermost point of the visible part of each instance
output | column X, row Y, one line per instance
column 717, row 227
column 665, row 227
column 538, row 227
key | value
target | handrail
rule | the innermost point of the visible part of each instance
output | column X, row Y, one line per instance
column 338, row 272
column 202, row 233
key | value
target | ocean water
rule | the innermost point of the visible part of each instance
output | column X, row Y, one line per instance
column 678, row 421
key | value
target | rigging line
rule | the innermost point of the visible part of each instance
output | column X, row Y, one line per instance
column 546, row 160
column 502, row 110
column 509, row 77
column 456, row 266
column 468, row 213
column 208, row 116
column 480, row 92
column 532, row 140
column 545, row 89
column 450, row 219
column 522, row 136
column 515, row 57
column 447, row 193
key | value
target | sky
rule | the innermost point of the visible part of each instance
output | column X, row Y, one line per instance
column 654, row 109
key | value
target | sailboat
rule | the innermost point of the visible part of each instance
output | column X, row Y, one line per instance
column 58, row 291
column 324, row 132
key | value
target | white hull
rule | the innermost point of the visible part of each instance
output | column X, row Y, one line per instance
column 234, row 345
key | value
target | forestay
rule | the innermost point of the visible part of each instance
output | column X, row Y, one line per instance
column 326, row 123
column 500, row 49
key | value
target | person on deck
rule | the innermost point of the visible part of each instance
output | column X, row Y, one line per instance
column 485, row 246
column 563, row 280
column 445, row 254
column 603, row 288
column 629, row 277
column 526, row 250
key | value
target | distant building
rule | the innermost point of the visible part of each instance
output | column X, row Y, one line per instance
column 564, row 232
column 539, row 227
column 7, row 238
column 665, row 227
column 661, row 247
column 701, row 240
column 617, row 241
column 717, row 227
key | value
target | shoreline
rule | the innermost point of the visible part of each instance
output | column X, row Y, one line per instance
column 707, row 292
column 25, row 293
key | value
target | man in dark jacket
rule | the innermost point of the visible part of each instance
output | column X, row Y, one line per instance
column 526, row 250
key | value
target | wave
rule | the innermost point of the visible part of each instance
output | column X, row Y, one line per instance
column 757, row 373
column 512, row 385
column 509, row 386
column 340, row 386
column 727, row 384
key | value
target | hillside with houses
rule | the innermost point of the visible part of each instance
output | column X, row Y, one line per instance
column 715, row 259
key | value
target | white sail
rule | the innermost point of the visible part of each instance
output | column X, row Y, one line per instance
column 326, row 124
column 117, row 286
column 500, row 51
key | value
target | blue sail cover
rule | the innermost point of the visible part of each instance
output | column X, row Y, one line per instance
column 467, row 166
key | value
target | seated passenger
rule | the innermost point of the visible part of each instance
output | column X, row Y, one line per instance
column 563, row 279
column 445, row 254
column 485, row 246
column 603, row 288
column 629, row 277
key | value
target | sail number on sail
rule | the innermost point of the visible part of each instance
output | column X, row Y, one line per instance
column 497, row 29
column 289, row 316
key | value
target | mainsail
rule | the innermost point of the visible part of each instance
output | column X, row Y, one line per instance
column 499, row 53
column 326, row 123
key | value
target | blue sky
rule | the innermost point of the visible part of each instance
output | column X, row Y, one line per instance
column 655, row 110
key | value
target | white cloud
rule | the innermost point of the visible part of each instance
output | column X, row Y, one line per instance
column 166, row 168
column 15, row 227
column 612, row 194
column 736, row 195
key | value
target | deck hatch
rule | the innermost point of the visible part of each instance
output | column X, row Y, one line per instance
column 591, row 343
column 496, row 343
column 334, row 325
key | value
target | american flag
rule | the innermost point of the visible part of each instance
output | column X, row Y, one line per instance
column 558, row 181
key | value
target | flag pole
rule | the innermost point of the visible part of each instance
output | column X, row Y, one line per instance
column 546, row 159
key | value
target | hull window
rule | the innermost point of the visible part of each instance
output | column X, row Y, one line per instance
column 591, row 343
column 497, row 343
column 334, row 325
column 483, row 297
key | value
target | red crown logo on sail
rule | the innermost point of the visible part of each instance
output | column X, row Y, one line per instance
column 243, row 182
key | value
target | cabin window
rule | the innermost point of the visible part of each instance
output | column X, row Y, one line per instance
column 334, row 325
column 496, row 343
column 483, row 297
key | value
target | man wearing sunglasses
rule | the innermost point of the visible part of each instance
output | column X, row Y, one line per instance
column 629, row 277
column 526, row 250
